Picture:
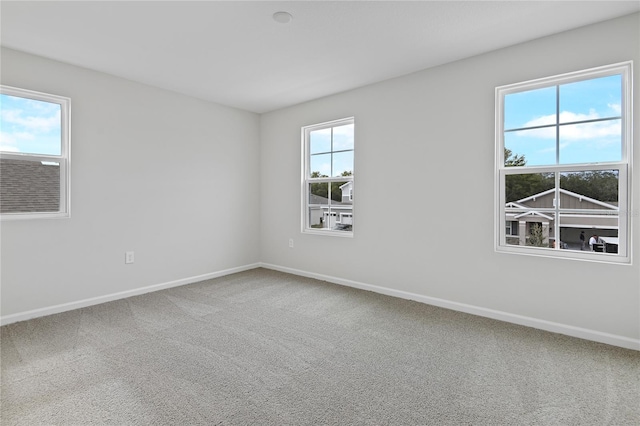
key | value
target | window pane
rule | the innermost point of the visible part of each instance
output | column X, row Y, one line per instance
column 591, row 99
column 319, row 193
column 316, row 219
column 29, row 186
column 596, row 142
column 333, row 217
column 570, row 236
column 343, row 137
column 343, row 163
column 320, row 165
column 590, row 190
column 605, row 235
column 530, row 108
column 341, row 219
column 318, row 204
column 30, row 126
column 530, row 190
column 329, row 153
column 539, row 230
column 340, row 192
column 530, row 228
column 538, row 146
column 320, row 141
column 512, row 229
column 566, row 149
column 330, row 206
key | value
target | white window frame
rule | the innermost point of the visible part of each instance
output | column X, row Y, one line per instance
column 306, row 180
column 624, row 166
column 64, row 159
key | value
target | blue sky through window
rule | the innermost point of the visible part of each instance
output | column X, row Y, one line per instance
column 30, row 126
column 594, row 99
column 331, row 157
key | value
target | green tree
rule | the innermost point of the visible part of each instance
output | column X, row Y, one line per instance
column 513, row 160
column 524, row 185
column 321, row 189
column 336, row 192
column 601, row 185
column 536, row 237
column 518, row 187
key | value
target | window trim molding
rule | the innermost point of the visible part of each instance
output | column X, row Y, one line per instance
column 625, row 165
column 305, row 154
column 64, row 159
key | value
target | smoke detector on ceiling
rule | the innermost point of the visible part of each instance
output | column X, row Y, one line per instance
column 282, row 17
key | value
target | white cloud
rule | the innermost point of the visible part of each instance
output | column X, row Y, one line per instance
column 42, row 124
column 600, row 129
column 347, row 129
column 616, row 108
column 17, row 136
column 8, row 142
column 324, row 169
column 25, row 136
column 343, row 137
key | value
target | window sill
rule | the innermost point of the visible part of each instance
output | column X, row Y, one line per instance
column 30, row 216
column 585, row 256
column 328, row 232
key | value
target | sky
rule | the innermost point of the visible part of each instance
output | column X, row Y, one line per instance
column 327, row 158
column 34, row 127
column 578, row 143
column 29, row 126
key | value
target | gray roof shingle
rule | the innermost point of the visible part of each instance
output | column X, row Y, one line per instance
column 29, row 186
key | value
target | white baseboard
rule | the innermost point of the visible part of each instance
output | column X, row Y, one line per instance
column 56, row 309
column 569, row 330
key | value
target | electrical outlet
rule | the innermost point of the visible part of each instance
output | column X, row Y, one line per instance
column 290, row 242
column 128, row 257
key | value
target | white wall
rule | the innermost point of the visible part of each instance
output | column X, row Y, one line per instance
column 197, row 189
column 434, row 132
column 170, row 177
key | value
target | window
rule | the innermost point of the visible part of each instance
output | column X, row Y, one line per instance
column 563, row 164
column 34, row 154
column 328, row 178
column 512, row 228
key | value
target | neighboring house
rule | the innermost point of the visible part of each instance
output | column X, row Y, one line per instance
column 29, row 186
column 598, row 217
column 347, row 192
column 339, row 214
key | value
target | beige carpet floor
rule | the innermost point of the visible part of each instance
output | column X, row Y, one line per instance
column 267, row 348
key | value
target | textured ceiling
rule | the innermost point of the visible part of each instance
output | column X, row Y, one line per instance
column 234, row 53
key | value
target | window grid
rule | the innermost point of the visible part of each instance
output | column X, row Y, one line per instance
column 558, row 211
column 330, row 217
column 20, row 201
